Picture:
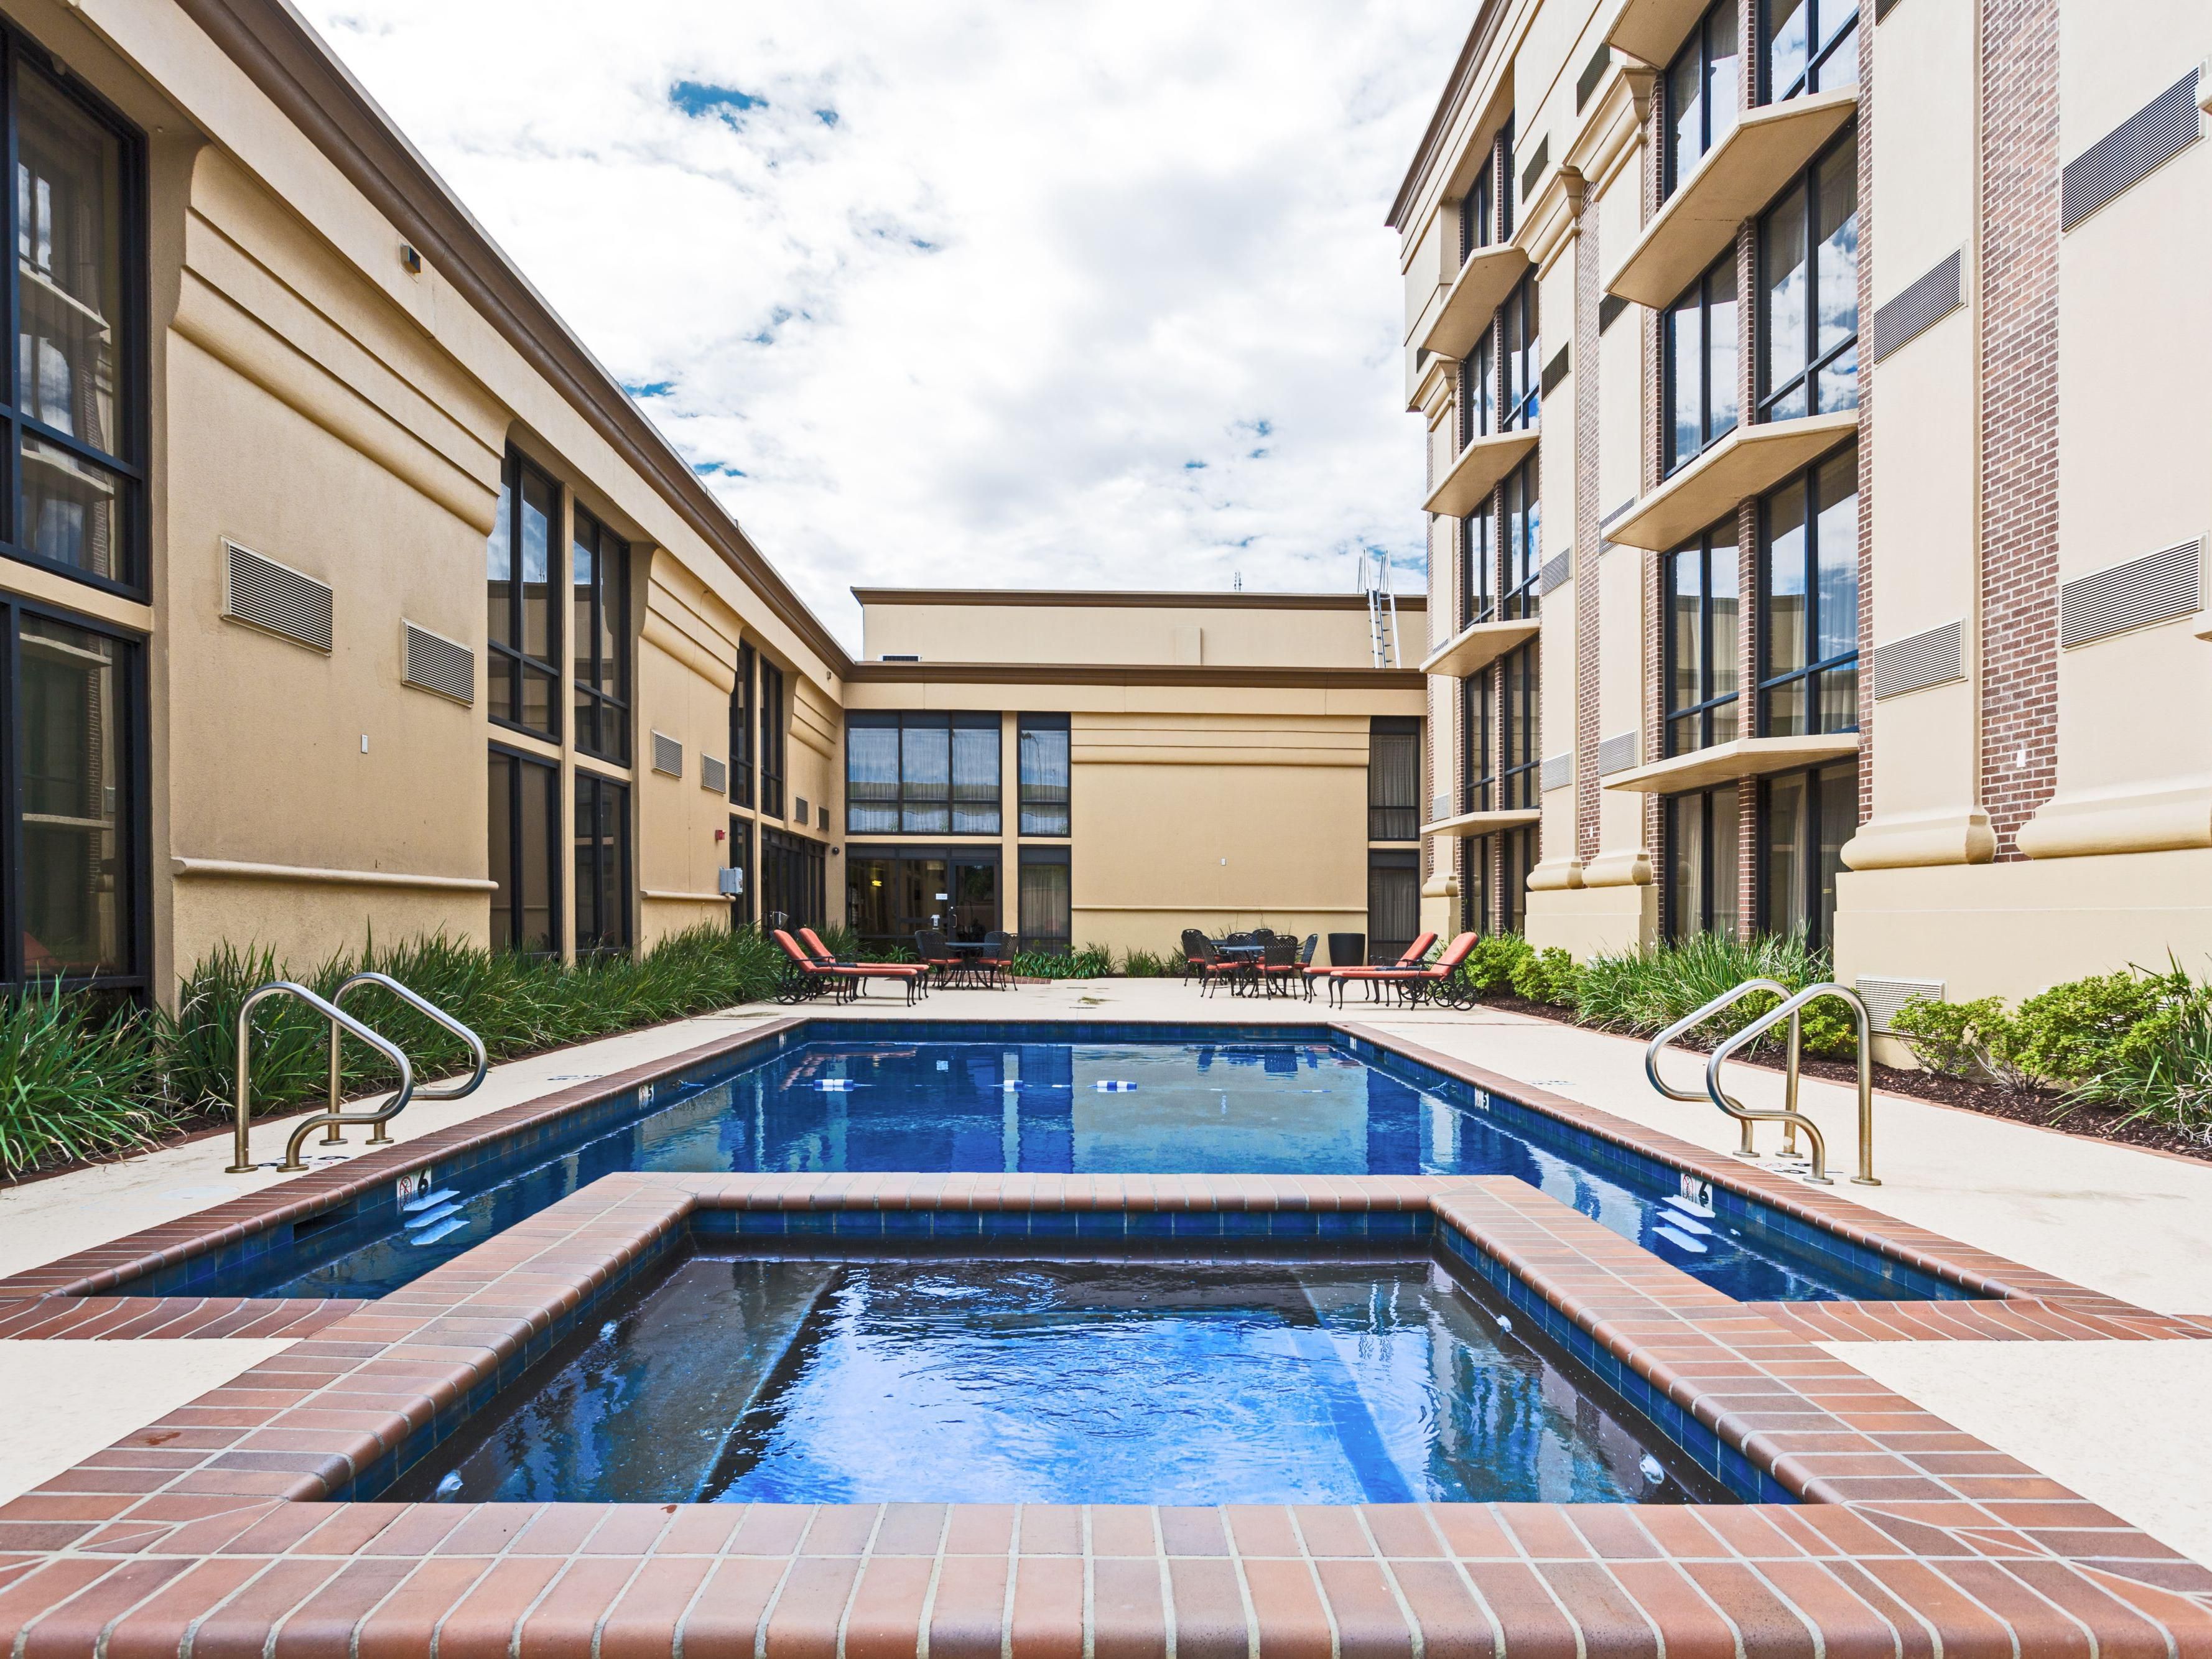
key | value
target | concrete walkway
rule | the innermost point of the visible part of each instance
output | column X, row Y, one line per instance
column 2134, row 1223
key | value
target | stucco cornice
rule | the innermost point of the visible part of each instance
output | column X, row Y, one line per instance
column 1187, row 674
column 1090, row 598
column 1455, row 90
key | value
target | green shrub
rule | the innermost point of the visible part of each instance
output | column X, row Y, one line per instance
column 1646, row 991
column 1091, row 961
column 2075, row 1030
column 1492, row 964
column 2161, row 1070
column 1548, row 976
column 74, row 1084
column 1146, row 964
column 1960, row 1039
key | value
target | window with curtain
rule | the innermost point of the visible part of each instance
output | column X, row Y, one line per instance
column 600, row 575
column 1700, row 891
column 1044, row 911
column 526, row 858
column 1805, row 818
column 1477, row 569
column 79, row 294
column 1519, row 779
column 1521, row 350
column 1521, row 523
column 1808, row 290
column 1478, row 222
column 1394, row 778
column 742, row 740
column 1394, row 903
column 1808, row 600
column 1698, row 361
column 1808, row 45
column 918, row 774
column 1474, row 916
column 1478, row 770
column 794, row 875
column 1045, row 773
column 1478, row 391
column 1518, row 861
column 1702, row 92
column 1700, row 642
column 522, row 605
column 602, row 848
column 773, row 729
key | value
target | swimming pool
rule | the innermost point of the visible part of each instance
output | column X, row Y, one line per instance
column 843, row 1379
column 932, row 1096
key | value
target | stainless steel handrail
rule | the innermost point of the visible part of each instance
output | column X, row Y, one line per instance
column 241, row 1154
column 422, row 1005
column 1790, row 1011
column 1790, row 1116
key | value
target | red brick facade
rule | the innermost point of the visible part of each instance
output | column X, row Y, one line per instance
column 1588, row 508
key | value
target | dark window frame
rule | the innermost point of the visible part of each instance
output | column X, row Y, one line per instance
column 1698, row 46
column 1810, row 835
column 1045, row 858
column 741, row 730
column 1769, row 396
column 1824, row 47
column 610, row 892
column 1520, row 544
column 597, row 709
column 1699, row 715
column 1520, row 782
column 796, row 868
column 521, row 663
column 1813, row 672
column 1712, row 874
column 1478, row 567
column 1520, row 353
column 1389, row 820
column 1042, row 724
column 741, row 859
column 1478, row 208
column 775, row 731
column 19, row 52
column 1400, row 868
column 1478, row 389
column 1477, row 710
column 555, row 852
column 1520, row 852
column 950, row 722
column 1701, row 295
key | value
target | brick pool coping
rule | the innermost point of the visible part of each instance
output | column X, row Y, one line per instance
column 201, row 1533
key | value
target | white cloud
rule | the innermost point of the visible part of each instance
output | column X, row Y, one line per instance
column 1046, row 295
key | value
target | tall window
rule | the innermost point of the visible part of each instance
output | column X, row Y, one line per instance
column 1808, row 600
column 1045, row 918
column 1701, row 642
column 1474, row 885
column 1808, row 45
column 1701, row 887
column 1522, row 348
column 1394, row 778
column 1808, row 291
column 741, row 861
column 1477, row 569
column 773, row 730
column 70, row 879
column 1477, row 220
column 1393, row 902
column 601, row 578
column 793, row 874
column 1805, row 818
column 741, row 730
column 1703, row 91
column 1043, row 743
column 79, row 290
column 522, row 605
column 1521, row 528
column 1520, row 763
column 921, row 774
column 1479, row 753
column 1518, row 863
column 602, row 864
column 525, row 818
column 1699, row 362
column 1478, row 389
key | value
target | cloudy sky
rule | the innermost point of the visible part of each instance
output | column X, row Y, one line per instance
column 1028, row 294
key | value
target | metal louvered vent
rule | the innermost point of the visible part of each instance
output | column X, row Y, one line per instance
column 714, row 775
column 1556, row 370
column 264, row 595
column 1608, row 311
column 1616, row 512
column 2152, row 589
column 667, row 755
column 1439, row 809
column 1918, row 662
column 803, row 812
column 1616, row 753
column 1884, row 997
column 1555, row 572
column 2130, row 153
column 437, row 664
column 1558, row 772
column 1923, row 303
column 1537, row 159
column 1882, row 7
column 1593, row 72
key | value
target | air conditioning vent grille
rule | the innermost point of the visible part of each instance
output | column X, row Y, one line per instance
column 1537, row 162
column 1918, row 662
column 1556, row 571
column 437, row 665
column 1558, row 772
column 2130, row 153
column 1616, row 753
column 713, row 774
column 2155, row 588
column 667, row 755
column 1922, row 303
column 264, row 595
column 1563, row 360
column 1884, row 997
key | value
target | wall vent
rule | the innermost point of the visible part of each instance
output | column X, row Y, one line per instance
column 901, row 656
column 667, row 755
column 2130, row 153
column 1538, row 158
column 1616, row 753
column 1884, row 997
column 1439, row 809
column 1882, row 9
column 437, row 664
column 2155, row 588
column 276, row 599
column 1616, row 512
column 1608, row 311
column 1558, row 772
column 1556, row 370
column 803, row 812
column 1923, row 303
column 1593, row 72
column 1919, row 660
column 1556, row 571
column 713, row 774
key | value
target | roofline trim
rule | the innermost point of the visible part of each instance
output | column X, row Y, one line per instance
column 1188, row 674
column 1479, row 35
column 1110, row 599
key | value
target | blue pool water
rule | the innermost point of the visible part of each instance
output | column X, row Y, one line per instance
column 885, row 1097
column 844, row 1381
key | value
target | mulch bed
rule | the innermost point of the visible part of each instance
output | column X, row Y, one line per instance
column 2036, row 1106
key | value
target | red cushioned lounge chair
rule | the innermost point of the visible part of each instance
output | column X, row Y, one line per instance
column 1410, row 958
column 1412, row 984
column 913, row 975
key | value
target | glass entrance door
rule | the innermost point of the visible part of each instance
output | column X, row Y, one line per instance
column 974, row 897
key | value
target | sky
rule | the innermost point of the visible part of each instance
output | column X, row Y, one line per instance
column 1055, row 294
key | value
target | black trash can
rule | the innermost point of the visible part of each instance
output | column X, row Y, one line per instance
column 1347, row 950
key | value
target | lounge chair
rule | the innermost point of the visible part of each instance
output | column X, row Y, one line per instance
column 1411, row 984
column 1411, row 958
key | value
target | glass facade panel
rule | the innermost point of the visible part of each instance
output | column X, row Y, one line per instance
column 1394, row 779
column 923, row 774
column 599, row 579
column 1046, row 918
column 525, row 819
column 1700, row 364
column 1703, row 91
column 1394, row 903
column 602, row 864
column 1809, row 317
column 1702, row 877
column 1808, row 45
column 1042, row 742
column 522, row 609
column 1808, row 601
column 1701, row 642
column 75, row 795
column 741, row 730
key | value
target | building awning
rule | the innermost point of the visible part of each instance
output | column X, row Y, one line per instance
column 1729, row 763
column 1481, row 823
column 1737, row 178
column 1476, row 647
column 1655, row 29
column 1484, row 281
column 1748, row 461
column 1476, row 472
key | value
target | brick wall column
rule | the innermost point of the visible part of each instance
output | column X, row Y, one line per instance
column 1588, row 509
column 1865, row 164
column 1652, row 431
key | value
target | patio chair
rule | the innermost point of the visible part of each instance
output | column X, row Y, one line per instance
column 913, row 976
column 1280, row 972
column 1410, row 958
column 999, row 951
column 803, row 977
column 936, row 956
column 1412, row 985
column 1194, row 953
column 1215, row 968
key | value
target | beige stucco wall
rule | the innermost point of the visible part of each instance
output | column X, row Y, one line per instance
column 1109, row 629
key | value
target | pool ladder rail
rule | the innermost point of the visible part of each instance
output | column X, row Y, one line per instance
column 333, row 1118
column 1790, row 1008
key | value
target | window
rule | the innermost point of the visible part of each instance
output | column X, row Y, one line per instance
column 602, row 864
column 1805, row 818
column 1808, row 45
column 1042, row 742
column 1808, row 597
column 1047, row 920
column 1520, row 347
column 1477, row 220
column 1478, row 570
column 601, row 579
column 1700, row 894
column 1703, row 93
column 1808, row 291
column 1517, row 860
column 892, row 893
column 1394, row 903
column 793, row 873
column 1474, row 885
column 1478, row 391
column 741, row 861
column 773, row 728
column 526, row 814
column 921, row 774
column 1479, row 769
column 1701, row 640
column 741, row 730
column 1698, row 361
column 1521, row 537
column 1519, row 771
column 75, row 412
column 520, row 607
column 71, row 878
column 1394, row 778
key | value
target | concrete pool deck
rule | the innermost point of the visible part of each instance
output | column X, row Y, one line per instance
column 2133, row 1224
